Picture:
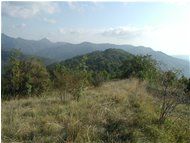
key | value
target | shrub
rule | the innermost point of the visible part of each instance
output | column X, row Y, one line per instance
column 172, row 93
column 24, row 77
column 142, row 67
column 35, row 77
column 69, row 82
column 98, row 78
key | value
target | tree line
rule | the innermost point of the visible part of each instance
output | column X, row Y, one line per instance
column 30, row 77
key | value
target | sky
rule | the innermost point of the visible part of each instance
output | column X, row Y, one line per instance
column 163, row 26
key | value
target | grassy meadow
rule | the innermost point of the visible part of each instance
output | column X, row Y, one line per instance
column 116, row 112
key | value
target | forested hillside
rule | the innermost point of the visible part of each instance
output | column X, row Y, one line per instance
column 108, row 61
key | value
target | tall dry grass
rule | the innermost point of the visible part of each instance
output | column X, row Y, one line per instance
column 117, row 111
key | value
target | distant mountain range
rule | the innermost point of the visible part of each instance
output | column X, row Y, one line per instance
column 61, row 51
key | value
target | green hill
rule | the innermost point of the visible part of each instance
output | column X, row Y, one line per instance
column 109, row 61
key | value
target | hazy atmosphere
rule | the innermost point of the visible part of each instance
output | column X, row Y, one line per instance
column 163, row 26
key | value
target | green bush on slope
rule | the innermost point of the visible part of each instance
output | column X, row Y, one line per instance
column 24, row 77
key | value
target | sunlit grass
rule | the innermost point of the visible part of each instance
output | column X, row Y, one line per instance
column 118, row 111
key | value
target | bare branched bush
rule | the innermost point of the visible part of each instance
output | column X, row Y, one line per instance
column 172, row 92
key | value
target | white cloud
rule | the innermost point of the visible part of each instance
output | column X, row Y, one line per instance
column 22, row 25
column 123, row 32
column 72, row 31
column 171, row 39
column 28, row 9
column 71, row 5
column 51, row 21
column 62, row 30
column 68, row 31
column 83, row 6
column 76, row 6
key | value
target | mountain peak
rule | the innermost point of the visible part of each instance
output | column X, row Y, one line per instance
column 85, row 42
column 2, row 34
column 19, row 38
column 45, row 40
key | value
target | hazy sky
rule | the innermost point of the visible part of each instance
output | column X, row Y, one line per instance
column 163, row 26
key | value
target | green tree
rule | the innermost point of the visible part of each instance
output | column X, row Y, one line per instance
column 82, row 65
column 142, row 67
column 186, row 82
column 98, row 78
column 35, row 77
column 24, row 77
column 11, row 79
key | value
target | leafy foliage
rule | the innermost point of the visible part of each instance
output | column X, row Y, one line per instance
column 24, row 77
column 142, row 67
column 107, row 61
column 69, row 82
column 186, row 82
column 35, row 76
column 97, row 78
column 11, row 81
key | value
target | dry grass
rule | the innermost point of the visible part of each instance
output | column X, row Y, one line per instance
column 118, row 111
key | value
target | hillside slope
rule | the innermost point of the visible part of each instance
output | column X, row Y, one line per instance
column 118, row 112
column 109, row 60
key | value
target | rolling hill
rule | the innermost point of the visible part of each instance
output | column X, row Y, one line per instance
column 109, row 60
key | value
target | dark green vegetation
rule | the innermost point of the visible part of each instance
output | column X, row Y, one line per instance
column 24, row 77
column 110, row 96
column 29, row 76
column 108, row 62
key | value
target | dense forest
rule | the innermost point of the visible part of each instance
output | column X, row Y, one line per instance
column 104, row 96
